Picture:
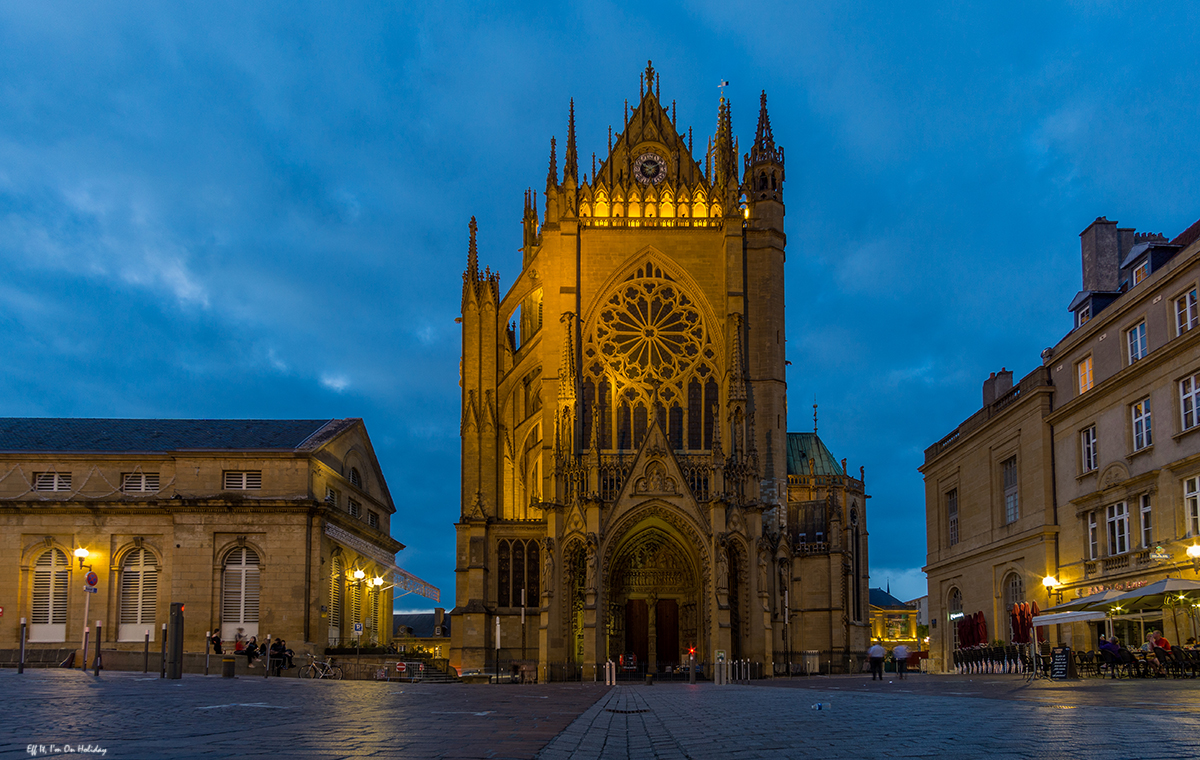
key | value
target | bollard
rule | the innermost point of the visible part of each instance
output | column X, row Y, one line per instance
column 83, row 662
column 175, row 645
column 99, row 638
column 649, row 679
column 146, row 654
column 692, row 669
column 162, row 660
column 206, row 650
column 21, row 661
column 228, row 663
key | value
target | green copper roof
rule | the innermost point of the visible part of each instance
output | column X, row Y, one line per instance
column 802, row 447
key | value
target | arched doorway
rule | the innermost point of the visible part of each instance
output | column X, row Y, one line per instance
column 654, row 595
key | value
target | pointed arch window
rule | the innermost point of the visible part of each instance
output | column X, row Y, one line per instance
column 48, row 616
column 139, row 595
column 240, row 593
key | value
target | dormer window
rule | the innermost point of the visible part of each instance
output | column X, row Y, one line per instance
column 1141, row 272
column 1083, row 315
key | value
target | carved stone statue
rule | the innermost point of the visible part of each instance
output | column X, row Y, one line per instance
column 762, row 570
column 590, row 581
column 548, row 566
column 722, row 569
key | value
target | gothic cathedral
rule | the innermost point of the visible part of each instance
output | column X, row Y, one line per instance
column 628, row 484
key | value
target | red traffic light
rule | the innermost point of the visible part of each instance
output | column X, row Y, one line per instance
column 691, row 650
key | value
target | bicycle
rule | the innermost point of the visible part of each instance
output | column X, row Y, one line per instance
column 319, row 669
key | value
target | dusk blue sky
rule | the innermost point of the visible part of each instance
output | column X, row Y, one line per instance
column 260, row 209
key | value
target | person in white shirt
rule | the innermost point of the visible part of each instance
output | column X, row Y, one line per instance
column 901, row 655
column 876, row 654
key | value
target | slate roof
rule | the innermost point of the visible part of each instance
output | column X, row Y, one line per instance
column 422, row 624
column 804, row 446
column 881, row 598
column 1188, row 236
column 114, row 435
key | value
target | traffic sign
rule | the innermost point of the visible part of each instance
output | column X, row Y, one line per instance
column 91, row 578
column 357, row 628
column 400, row 667
column 90, row 589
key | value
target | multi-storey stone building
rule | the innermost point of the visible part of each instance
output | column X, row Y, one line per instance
column 1086, row 472
column 276, row 527
column 626, row 473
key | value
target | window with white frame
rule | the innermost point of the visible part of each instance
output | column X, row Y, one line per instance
column 952, row 515
column 139, row 482
column 1191, row 505
column 48, row 609
column 1093, row 536
column 139, row 595
column 1083, row 315
column 1142, row 272
column 1185, row 312
column 1189, row 401
column 240, row 593
column 354, row 508
column 1137, row 341
column 1142, row 436
column 1118, row 528
column 1087, row 447
column 1011, row 506
column 243, row 481
column 52, row 481
column 1083, row 371
column 1147, row 522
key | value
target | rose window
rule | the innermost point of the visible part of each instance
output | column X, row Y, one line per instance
column 647, row 330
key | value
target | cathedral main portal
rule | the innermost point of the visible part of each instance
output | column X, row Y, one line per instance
column 653, row 591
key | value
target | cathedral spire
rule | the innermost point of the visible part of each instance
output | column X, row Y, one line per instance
column 763, row 139
column 571, row 158
column 552, row 175
column 473, row 254
column 724, row 158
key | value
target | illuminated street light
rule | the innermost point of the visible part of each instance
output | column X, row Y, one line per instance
column 359, row 574
column 81, row 554
column 1193, row 551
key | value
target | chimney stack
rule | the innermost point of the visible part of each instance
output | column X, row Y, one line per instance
column 997, row 384
column 1100, row 249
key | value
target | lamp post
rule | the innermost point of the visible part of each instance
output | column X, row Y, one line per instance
column 1050, row 582
column 81, row 554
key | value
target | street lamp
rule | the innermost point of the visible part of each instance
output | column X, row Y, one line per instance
column 81, row 554
column 359, row 574
column 1050, row 582
column 1193, row 552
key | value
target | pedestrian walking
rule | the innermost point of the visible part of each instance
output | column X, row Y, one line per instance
column 876, row 654
column 901, row 655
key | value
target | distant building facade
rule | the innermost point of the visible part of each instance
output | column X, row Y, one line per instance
column 626, row 476
column 427, row 630
column 893, row 622
column 274, row 527
column 1087, row 471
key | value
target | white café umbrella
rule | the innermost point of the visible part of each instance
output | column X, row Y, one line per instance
column 1086, row 602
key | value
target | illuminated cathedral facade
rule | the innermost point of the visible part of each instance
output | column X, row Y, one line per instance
column 628, row 484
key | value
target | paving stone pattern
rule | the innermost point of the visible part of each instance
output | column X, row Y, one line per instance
column 933, row 716
column 136, row 716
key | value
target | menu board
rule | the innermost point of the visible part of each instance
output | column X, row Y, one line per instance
column 1060, row 662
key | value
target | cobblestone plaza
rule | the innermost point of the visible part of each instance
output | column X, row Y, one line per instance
column 136, row 716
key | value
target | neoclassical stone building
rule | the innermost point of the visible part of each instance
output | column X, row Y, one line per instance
column 276, row 527
column 625, row 460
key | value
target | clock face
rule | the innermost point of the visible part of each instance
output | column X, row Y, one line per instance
column 649, row 169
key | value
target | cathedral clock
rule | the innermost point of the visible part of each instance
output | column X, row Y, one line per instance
column 649, row 169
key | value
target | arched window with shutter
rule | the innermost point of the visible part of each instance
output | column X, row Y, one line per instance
column 355, row 604
column 139, row 596
column 48, row 616
column 336, row 582
column 239, row 594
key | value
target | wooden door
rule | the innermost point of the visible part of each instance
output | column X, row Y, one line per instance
column 637, row 630
column 666, row 629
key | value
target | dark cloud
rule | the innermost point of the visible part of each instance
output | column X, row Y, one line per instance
column 232, row 210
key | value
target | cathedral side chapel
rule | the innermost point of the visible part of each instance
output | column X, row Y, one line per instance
column 628, row 484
